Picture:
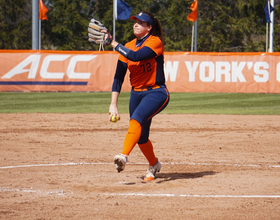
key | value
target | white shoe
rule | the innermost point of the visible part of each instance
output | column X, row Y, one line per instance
column 120, row 161
column 151, row 172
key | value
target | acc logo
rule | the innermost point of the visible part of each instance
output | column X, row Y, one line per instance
column 34, row 60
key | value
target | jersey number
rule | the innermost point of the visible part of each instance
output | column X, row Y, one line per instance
column 147, row 67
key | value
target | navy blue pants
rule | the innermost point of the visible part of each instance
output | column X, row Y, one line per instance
column 144, row 105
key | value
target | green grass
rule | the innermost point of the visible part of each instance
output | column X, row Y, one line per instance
column 180, row 103
column 224, row 103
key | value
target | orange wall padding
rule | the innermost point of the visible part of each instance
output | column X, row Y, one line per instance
column 34, row 70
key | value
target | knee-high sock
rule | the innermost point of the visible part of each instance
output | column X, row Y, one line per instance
column 132, row 136
column 148, row 151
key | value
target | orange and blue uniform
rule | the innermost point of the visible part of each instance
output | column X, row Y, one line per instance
column 144, row 59
column 148, row 72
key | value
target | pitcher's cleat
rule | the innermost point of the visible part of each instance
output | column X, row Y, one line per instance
column 120, row 161
column 151, row 172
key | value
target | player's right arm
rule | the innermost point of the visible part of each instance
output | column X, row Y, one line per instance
column 116, row 88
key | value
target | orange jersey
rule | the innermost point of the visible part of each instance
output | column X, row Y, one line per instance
column 147, row 72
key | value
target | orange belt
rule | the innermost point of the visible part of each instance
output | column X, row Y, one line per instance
column 146, row 88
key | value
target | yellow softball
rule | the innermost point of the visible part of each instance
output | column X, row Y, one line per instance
column 112, row 119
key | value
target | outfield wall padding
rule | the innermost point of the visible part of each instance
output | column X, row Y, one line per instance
column 34, row 70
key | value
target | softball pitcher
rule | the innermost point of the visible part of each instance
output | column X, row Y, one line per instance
column 143, row 57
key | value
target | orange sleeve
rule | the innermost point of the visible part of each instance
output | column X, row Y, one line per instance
column 156, row 45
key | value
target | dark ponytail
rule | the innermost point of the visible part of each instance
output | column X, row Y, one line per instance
column 156, row 29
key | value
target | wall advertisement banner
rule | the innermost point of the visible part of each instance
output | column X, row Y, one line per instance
column 29, row 70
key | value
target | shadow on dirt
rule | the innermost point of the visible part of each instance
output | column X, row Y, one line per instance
column 165, row 177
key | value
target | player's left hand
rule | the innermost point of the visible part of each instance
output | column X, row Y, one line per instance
column 98, row 33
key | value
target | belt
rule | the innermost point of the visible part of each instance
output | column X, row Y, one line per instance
column 146, row 88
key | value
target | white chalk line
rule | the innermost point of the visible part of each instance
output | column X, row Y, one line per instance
column 194, row 195
column 141, row 194
column 172, row 163
column 54, row 164
column 62, row 193
column 59, row 193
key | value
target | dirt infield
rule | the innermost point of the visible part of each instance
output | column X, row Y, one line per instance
column 59, row 166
